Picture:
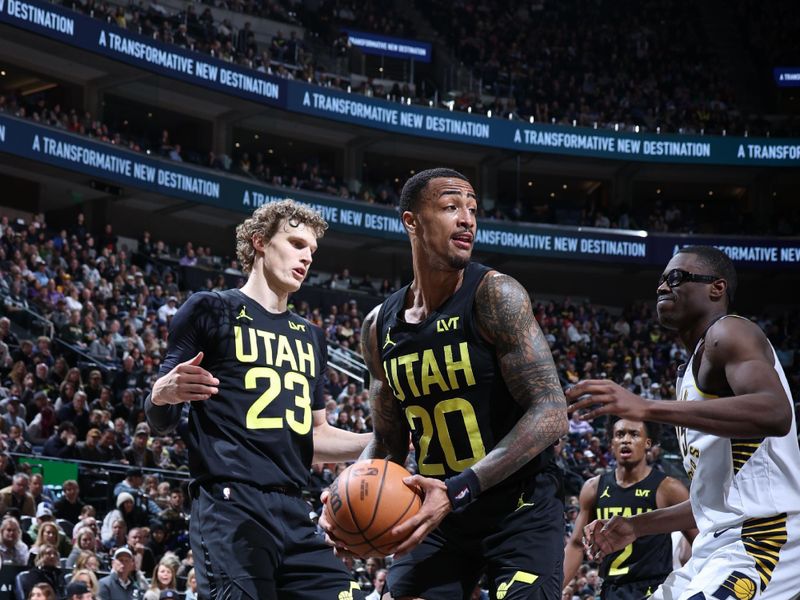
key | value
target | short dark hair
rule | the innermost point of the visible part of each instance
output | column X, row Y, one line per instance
column 413, row 188
column 652, row 430
column 718, row 263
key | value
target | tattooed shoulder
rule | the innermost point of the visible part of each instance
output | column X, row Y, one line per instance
column 503, row 308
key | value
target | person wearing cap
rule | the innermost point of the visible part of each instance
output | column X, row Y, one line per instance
column 134, row 478
column 77, row 590
column 167, row 310
column 17, row 496
column 138, row 453
column 632, row 487
column 252, row 371
column 123, row 582
column 44, row 514
column 128, row 511
column 12, row 417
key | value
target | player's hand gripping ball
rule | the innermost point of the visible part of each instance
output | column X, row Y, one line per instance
column 366, row 502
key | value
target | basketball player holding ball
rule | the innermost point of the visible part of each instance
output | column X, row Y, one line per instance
column 738, row 438
column 457, row 360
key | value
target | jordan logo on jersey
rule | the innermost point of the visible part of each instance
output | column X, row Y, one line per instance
column 243, row 314
column 605, row 493
column 388, row 342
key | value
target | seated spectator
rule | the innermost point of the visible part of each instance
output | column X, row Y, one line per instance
column 133, row 515
column 13, row 550
column 45, row 570
column 142, row 555
column 117, row 536
column 168, row 310
column 123, row 582
column 43, row 426
column 16, row 443
column 40, row 495
column 62, row 444
column 50, row 535
column 108, row 448
column 89, row 449
column 12, row 417
column 17, row 496
column 6, row 465
column 43, row 515
column 88, row 578
column 85, row 542
column 164, row 578
column 103, row 348
column 191, row 586
column 69, row 505
column 78, row 590
column 42, row 591
column 138, row 453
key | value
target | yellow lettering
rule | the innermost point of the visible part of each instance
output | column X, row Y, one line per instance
column 284, row 353
column 642, row 493
column 391, row 379
column 241, row 355
column 431, row 375
column 267, row 338
column 305, row 358
column 408, row 360
column 463, row 364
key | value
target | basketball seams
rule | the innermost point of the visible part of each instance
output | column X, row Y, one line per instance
column 366, row 545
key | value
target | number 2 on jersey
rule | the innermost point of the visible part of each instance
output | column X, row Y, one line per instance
column 291, row 381
column 417, row 416
column 616, row 569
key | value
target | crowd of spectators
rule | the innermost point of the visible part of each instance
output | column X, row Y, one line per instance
column 596, row 64
column 77, row 393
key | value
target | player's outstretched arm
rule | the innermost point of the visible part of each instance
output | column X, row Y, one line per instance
column 605, row 537
column 672, row 492
column 573, row 551
column 741, row 358
column 185, row 382
column 335, row 445
column 505, row 317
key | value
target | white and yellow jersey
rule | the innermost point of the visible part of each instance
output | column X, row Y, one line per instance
column 733, row 480
column 745, row 496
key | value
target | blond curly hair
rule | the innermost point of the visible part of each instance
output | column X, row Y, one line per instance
column 265, row 221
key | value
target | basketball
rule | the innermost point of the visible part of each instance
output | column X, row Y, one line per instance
column 367, row 501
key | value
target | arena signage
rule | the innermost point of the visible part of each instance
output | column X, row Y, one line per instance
column 382, row 45
column 787, row 77
column 172, row 61
column 140, row 51
column 125, row 168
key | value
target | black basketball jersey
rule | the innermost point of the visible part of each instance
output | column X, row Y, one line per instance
column 448, row 382
column 270, row 367
column 649, row 557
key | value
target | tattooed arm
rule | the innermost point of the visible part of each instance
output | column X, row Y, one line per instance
column 390, row 428
column 505, row 317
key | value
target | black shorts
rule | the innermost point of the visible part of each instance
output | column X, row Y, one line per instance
column 514, row 533
column 261, row 545
column 634, row 590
